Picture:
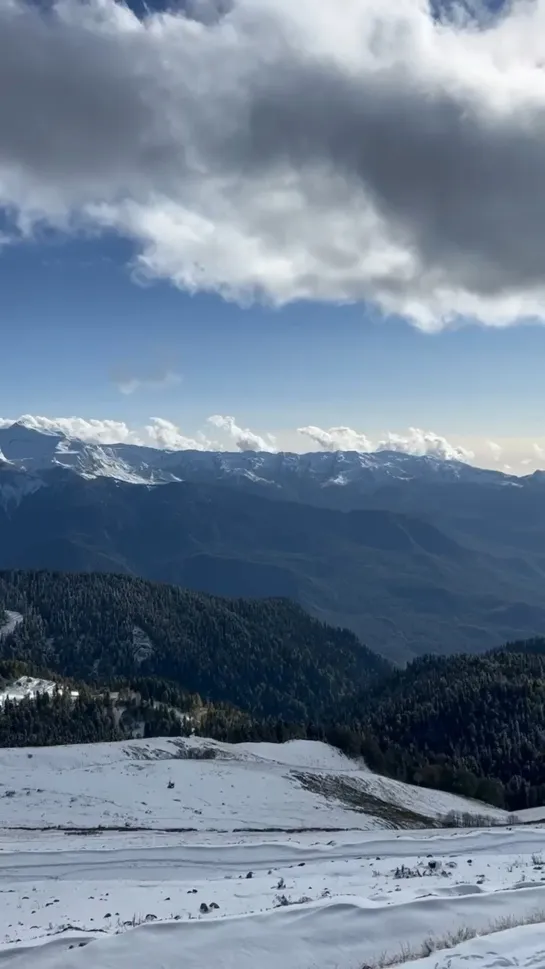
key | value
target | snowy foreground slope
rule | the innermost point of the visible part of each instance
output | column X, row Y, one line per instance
column 216, row 786
column 263, row 879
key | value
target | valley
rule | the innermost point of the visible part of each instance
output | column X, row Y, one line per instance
column 414, row 554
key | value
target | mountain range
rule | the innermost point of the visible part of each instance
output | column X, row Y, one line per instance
column 415, row 554
column 334, row 478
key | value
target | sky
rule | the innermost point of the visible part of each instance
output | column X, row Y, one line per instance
column 254, row 223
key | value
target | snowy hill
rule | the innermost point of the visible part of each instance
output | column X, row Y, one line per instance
column 247, row 885
column 302, row 784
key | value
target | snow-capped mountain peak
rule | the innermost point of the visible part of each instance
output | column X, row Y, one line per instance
column 25, row 449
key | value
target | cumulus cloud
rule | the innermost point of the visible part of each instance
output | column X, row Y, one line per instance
column 165, row 434
column 275, row 149
column 337, row 438
column 99, row 431
column 158, row 432
column 538, row 451
column 243, row 437
column 420, row 442
column 416, row 441
column 161, row 433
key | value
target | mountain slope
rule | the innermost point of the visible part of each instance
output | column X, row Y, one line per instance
column 397, row 581
column 471, row 724
column 216, row 786
column 268, row 657
column 322, row 477
column 400, row 583
column 265, row 872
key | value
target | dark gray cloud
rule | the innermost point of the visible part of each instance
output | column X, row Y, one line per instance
column 467, row 191
column 74, row 110
column 276, row 149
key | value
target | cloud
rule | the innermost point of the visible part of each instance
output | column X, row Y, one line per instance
column 99, row 431
column 244, row 438
column 129, row 385
column 495, row 449
column 337, row 438
column 416, row 441
column 162, row 433
column 420, row 442
column 272, row 149
column 158, row 432
column 165, row 434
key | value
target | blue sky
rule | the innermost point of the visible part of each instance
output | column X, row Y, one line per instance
column 334, row 249
column 75, row 323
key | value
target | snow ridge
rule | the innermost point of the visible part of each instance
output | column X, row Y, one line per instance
column 29, row 450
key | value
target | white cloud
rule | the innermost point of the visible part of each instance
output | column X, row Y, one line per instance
column 243, row 437
column 164, row 434
column 416, row 441
column 495, row 449
column 337, row 438
column 158, row 432
column 275, row 149
column 420, row 442
column 99, row 431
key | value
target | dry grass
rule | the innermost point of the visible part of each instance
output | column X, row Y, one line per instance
column 432, row 944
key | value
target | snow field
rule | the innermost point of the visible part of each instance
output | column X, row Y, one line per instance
column 314, row 883
column 345, row 909
column 246, row 786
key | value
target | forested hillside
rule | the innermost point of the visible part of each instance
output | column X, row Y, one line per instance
column 472, row 724
column 267, row 656
column 401, row 583
column 75, row 712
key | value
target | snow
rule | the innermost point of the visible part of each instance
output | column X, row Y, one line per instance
column 521, row 947
column 30, row 449
column 530, row 815
column 29, row 687
column 281, row 886
column 346, row 906
column 15, row 487
column 244, row 786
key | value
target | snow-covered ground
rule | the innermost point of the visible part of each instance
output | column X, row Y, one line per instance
column 241, row 786
column 29, row 687
column 305, row 897
column 531, row 815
